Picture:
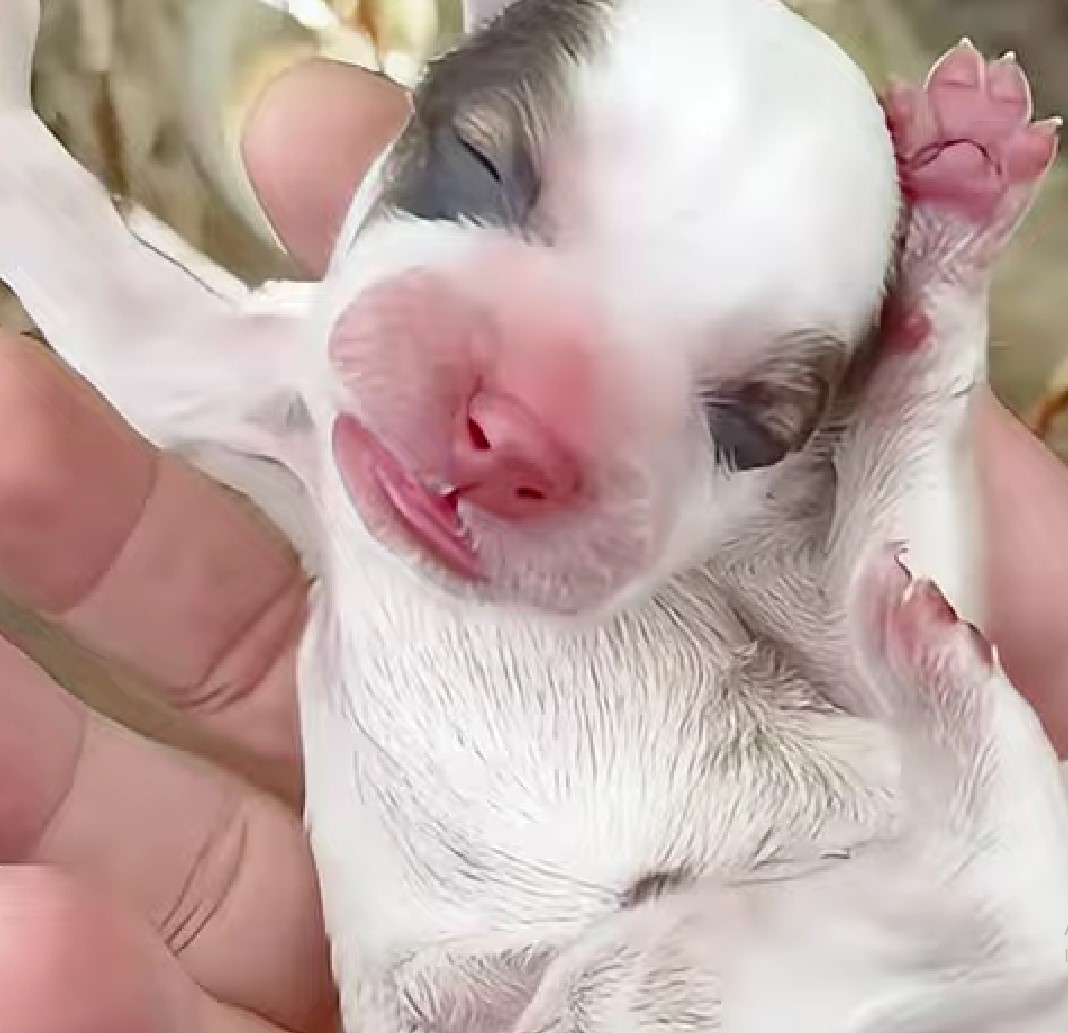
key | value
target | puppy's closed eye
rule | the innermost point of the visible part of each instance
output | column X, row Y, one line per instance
column 460, row 169
column 740, row 439
column 757, row 422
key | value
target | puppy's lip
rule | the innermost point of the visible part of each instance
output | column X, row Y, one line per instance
column 383, row 490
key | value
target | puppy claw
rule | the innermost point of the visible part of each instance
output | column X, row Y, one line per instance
column 963, row 66
column 910, row 589
column 984, row 648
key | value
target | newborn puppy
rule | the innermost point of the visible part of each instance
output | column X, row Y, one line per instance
column 618, row 715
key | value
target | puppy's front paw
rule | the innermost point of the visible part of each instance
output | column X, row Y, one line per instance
column 970, row 157
column 965, row 140
column 971, row 161
column 923, row 638
column 930, row 673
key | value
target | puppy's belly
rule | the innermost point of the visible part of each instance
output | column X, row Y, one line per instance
column 474, row 790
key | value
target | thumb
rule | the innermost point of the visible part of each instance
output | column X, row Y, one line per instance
column 307, row 144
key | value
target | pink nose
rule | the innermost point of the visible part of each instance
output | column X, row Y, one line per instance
column 507, row 463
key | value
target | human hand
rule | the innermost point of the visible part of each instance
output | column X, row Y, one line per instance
column 142, row 890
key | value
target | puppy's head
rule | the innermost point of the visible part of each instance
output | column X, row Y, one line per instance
column 601, row 286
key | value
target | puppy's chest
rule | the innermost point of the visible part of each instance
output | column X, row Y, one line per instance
column 474, row 783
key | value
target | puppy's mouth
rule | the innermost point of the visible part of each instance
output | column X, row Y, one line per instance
column 386, row 493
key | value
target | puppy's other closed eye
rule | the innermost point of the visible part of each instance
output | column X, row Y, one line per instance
column 757, row 422
column 741, row 441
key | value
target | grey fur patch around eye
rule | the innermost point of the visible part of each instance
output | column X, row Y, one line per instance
column 461, row 178
column 483, row 115
column 757, row 422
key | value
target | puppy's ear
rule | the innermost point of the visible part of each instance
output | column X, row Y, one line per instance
column 477, row 12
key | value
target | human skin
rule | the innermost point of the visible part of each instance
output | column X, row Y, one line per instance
column 141, row 890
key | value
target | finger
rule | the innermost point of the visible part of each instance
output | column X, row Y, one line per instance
column 221, row 872
column 1024, row 491
column 307, row 144
column 74, row 960
column 143, row 559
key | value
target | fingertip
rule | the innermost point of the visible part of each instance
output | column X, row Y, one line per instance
column 72, row 958
column 307, row 143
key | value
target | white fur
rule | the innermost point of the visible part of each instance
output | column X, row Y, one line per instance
column 709, row 268
column 484, row 784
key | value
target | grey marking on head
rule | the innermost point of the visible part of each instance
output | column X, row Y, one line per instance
column 473, row 147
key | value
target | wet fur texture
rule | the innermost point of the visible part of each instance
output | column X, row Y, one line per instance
column 755, row 784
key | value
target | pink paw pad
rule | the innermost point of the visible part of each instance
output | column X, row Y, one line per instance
column 922, row 628
column 965, row 139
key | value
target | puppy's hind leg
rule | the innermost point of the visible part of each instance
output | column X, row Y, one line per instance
column 181, row 356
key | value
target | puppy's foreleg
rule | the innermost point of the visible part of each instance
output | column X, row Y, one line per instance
column 971, row 162
column 982, row 782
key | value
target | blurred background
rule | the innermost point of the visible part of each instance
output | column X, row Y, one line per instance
column 149, row 94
